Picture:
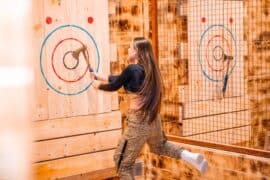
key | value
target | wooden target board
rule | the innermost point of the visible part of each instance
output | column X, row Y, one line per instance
column 215, row 105
column 75, row 130
column 215, row 31
column 64, row 87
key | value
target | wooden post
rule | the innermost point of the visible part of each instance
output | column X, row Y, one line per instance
column 154, row 27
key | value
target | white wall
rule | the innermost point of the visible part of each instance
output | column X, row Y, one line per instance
column 16, row 82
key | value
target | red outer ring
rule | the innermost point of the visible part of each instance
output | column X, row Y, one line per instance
column 52, row 59
column 210, row 66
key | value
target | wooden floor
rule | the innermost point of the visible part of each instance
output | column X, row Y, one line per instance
column 136, row 178
column 108, row 174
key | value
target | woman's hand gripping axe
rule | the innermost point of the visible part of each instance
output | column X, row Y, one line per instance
column 76, row 55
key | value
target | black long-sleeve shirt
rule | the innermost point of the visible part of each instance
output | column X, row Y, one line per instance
column 131, row 78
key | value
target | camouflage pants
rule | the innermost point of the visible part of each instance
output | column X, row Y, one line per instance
column 136, row 134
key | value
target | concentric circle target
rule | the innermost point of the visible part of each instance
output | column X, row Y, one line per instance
column 62, row 66
column 216, row 43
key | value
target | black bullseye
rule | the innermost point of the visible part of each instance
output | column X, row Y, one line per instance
column 66, row 58
column 218, row 53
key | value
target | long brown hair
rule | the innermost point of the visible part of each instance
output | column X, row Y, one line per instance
column 151, row 90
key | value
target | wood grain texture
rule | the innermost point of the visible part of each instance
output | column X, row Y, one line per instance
column 49, row 103
column 57, row 128
column 222, row 164
column 75, row 145
column 73, row 165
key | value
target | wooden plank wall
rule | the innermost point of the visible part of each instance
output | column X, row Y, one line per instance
column 257, row 32
column 75, row 131
column 171, row 32
column 127, row 19
column 76, row 145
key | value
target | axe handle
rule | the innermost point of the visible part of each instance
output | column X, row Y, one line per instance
column 225, row 83
column 226, row 78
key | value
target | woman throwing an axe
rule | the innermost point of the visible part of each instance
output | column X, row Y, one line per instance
column 141, row 79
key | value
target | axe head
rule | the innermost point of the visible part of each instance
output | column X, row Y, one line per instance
column 227, row 57
column 76, row 53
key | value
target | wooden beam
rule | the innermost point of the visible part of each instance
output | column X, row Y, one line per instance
column 99, row 174
column 154, row 23
column 213, row 107
column 214, row 123
column 232, row 136
column 108, row 173
column 224, row 147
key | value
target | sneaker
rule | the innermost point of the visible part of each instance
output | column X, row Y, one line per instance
column 198, row 158
column 203, row 166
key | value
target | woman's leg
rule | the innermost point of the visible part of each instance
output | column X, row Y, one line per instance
column 158, row 142
column 129, row 147
column 159, row 145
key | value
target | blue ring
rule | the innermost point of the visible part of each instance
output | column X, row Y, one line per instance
column 41, row 52
column 199, row 55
